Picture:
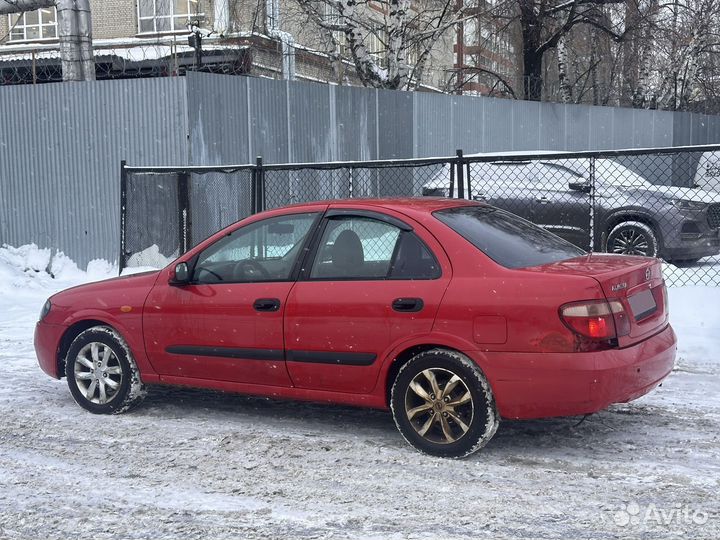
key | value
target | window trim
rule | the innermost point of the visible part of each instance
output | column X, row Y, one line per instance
column 297, row 265
column 155, row 17
column 340, row 213
column 40, row 25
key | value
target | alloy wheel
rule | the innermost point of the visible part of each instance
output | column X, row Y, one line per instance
column 630, row 242
column 439, row 405
column 98, row 373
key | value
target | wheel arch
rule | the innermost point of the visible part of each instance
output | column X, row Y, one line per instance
column 402, row 357
column 621, row 216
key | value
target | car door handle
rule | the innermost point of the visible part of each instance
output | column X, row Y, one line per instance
column 542, row 200
column 266, row 304
column 408, row 305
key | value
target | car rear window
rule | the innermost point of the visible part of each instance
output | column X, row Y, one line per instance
column 505, row 238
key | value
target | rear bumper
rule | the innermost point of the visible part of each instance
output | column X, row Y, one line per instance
column 567, row 384
column 47, row 342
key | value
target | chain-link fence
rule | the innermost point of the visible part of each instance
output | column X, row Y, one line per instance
column 659, row 202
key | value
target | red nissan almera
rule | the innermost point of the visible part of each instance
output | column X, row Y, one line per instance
column 453, row 314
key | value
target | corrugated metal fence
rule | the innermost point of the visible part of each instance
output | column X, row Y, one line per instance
column 61, row 144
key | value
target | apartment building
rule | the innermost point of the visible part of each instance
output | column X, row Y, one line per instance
column 488, row 50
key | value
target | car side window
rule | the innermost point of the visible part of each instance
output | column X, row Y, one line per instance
column 413, row 259
column 262, row 251
column 356, row 247
column 556, row 177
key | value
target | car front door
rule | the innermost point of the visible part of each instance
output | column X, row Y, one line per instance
column 374, row 281
column 227, row 323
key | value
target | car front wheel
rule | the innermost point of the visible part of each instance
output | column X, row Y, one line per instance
column 443, row 404
column 633, row 238
column 101, row 372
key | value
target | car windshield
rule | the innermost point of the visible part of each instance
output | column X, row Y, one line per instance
column 505, row 238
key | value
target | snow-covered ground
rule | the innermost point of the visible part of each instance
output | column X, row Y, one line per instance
column 198, row 464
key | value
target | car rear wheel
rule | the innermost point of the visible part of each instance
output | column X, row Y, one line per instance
column 443, row 404
column 101, row 372
column 632, row 238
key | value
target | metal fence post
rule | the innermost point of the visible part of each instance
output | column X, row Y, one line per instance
column 122, row 261
column 185, row 221
column 460, row 175
column 257, row 189
column 453, row 168
column 591, row 195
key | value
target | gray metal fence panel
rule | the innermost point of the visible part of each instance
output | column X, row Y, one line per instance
column 497, row 124
column 552, row 120
column 601, row 128
column 526, row 126
column 433, row 123
column 395, row 124
column 269, row 120
column 467, row 124
column 356, row 123
column 60, row 152
column 662, row 129
column 218, row 123
column 311, row 133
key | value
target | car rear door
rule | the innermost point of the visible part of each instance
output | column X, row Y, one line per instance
column 374, row 280
column 559, row 208
column 507, row 185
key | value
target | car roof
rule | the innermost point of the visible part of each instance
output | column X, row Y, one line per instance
column 402, row 204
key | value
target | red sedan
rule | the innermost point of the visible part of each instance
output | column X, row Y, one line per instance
column 453, row 314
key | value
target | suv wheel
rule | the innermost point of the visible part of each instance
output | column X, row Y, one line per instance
column 443, row 404
column 632, row 238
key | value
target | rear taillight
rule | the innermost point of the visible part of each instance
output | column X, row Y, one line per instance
column 596, row 320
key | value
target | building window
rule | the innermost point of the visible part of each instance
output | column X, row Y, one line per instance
column 33, row 25
column 156, row 16
column 332, row 16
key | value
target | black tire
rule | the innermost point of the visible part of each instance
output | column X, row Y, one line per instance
column 101, row 372
column 480, row 418
column 633, row 238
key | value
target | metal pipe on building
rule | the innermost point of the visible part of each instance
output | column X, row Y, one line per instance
column 87, row 58
column 221, row 19
column 287, row 41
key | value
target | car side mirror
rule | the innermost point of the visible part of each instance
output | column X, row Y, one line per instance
column 580, row 186
column 182, row 274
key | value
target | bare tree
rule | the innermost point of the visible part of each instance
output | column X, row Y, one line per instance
column 661, row 55
column 389, row 42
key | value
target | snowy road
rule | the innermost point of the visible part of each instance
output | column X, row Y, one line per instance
column 196, row 464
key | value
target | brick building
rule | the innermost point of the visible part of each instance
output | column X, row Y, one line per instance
column 140, row 38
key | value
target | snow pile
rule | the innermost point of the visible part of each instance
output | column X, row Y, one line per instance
column 150, row 257
column 29, row 267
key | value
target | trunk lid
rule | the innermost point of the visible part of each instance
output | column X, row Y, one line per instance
column 636, row 282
